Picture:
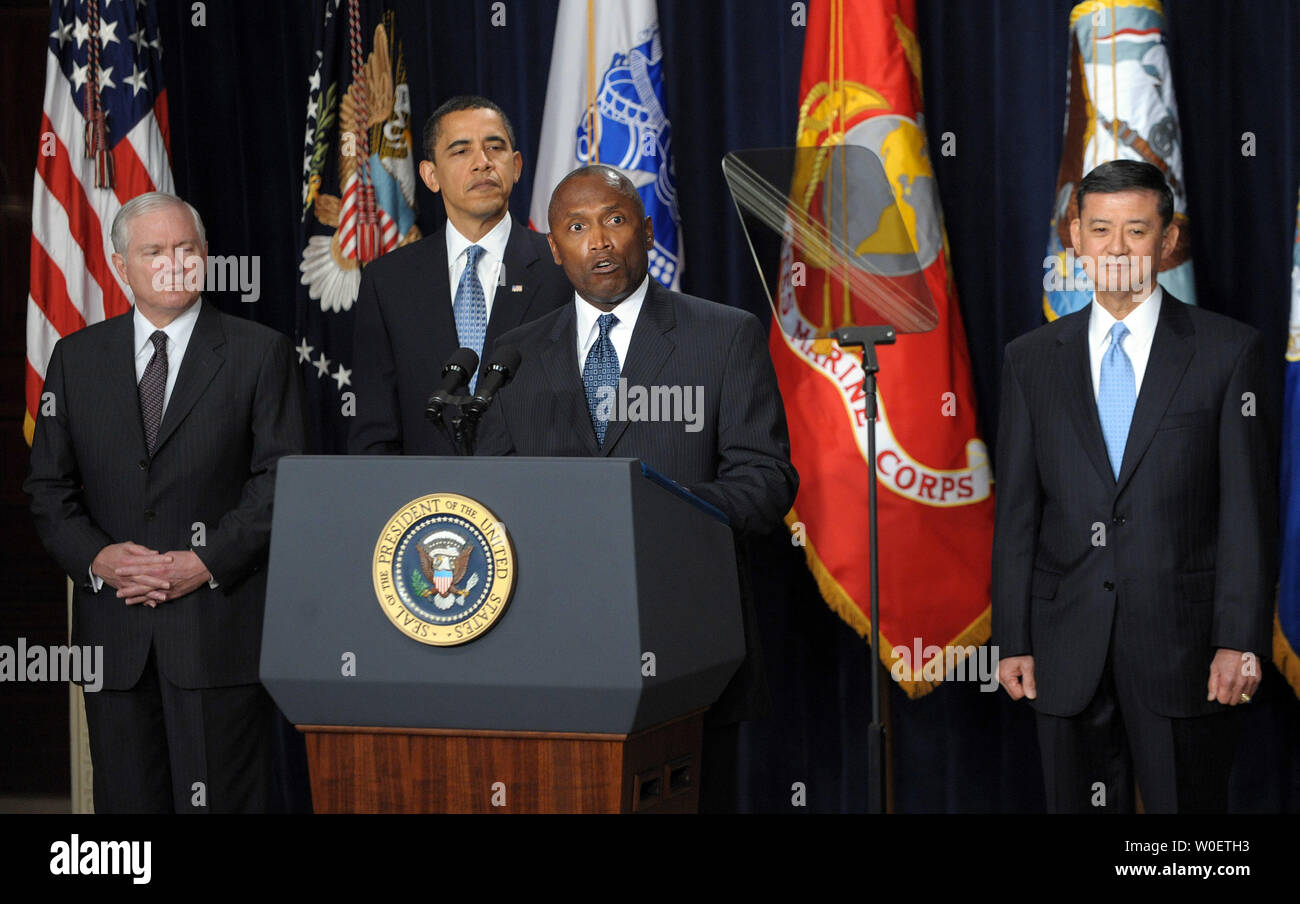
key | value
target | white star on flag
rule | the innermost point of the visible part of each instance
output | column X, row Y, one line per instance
column 135, row 80
column 343, row 376
column 304, row 351
column 81, row 32
column 323, row 366
column 108, row 34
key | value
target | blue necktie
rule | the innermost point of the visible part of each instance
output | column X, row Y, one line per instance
column 1116, row 396
column 470, row 308
column 601, row 370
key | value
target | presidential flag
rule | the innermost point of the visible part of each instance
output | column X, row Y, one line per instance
column 861, row 85
column 358, row 192
column 1286, row 636
column 103, row 141
column 605, row 104
column 1119, row 106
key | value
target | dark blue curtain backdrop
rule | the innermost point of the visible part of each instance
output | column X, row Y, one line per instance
column 994, row 76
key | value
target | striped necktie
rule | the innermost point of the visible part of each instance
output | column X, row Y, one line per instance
column 153, row 385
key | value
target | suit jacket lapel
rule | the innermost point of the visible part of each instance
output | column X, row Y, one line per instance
column 201, row 363
column 1171, row 351
column 509, row 306
column 560, row 364
column 646, row 354
column 1080, row 403
column 119, row 358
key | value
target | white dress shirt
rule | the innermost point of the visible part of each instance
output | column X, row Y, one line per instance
column 178, row 333
column 620, row 334
column 1141, row 322
column 490, row 264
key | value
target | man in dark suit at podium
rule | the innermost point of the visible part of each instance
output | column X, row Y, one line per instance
column 152, row 476
column 718, row 427
column 624, row 337
column 482, row 274
column 1133, row 560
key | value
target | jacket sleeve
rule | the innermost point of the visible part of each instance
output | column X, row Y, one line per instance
column 493, row 436
column 239, row 542
column 1246, row 566
column 54, row 483
column 756, row 483
column 376, row 429
column 1019, row 512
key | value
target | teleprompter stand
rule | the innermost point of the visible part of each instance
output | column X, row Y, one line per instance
column 867, row 338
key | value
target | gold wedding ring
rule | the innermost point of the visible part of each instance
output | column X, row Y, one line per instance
column 1245, row 698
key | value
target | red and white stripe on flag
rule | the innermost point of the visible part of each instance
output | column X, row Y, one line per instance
column 103, row 64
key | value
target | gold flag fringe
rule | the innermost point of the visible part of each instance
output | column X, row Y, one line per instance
column 842, row 604
column 1284, row 656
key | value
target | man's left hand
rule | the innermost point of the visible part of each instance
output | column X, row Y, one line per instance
column 1234, row 676
column 185, row 574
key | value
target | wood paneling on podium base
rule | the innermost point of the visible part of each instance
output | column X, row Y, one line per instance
column 426, row 770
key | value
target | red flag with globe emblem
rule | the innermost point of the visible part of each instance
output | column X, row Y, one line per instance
column 861, row 84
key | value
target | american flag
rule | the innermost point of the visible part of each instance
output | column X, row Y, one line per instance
column 104, row 140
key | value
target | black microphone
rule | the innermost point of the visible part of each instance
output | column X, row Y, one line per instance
column 455, row 374
column 505, row 361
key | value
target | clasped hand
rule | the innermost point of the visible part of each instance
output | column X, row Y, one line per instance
column 143, row 575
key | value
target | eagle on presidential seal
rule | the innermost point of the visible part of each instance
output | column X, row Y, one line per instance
column 444, row 559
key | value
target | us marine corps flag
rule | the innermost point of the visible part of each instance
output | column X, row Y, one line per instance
column 861, row 85
column 358, row 192
column 1120, row 106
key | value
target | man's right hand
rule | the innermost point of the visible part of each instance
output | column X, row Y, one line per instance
column 143, row 583
column 1016, row 674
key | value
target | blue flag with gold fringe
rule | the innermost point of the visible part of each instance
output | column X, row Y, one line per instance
column 1286, row 639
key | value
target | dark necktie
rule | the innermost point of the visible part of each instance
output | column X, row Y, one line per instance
column 601, row 370
column 152, row 387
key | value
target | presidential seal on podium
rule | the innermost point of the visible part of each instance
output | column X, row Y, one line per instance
column 444, row 569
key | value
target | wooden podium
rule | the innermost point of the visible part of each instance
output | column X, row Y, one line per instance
column 444, row 771
column 586, row 696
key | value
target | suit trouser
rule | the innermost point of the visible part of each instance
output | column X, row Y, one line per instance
column 1181, row 765
column 160, row 748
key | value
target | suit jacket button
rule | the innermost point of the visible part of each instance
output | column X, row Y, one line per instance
column 149, row 514
column 1109, row 585
column 144, row 465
